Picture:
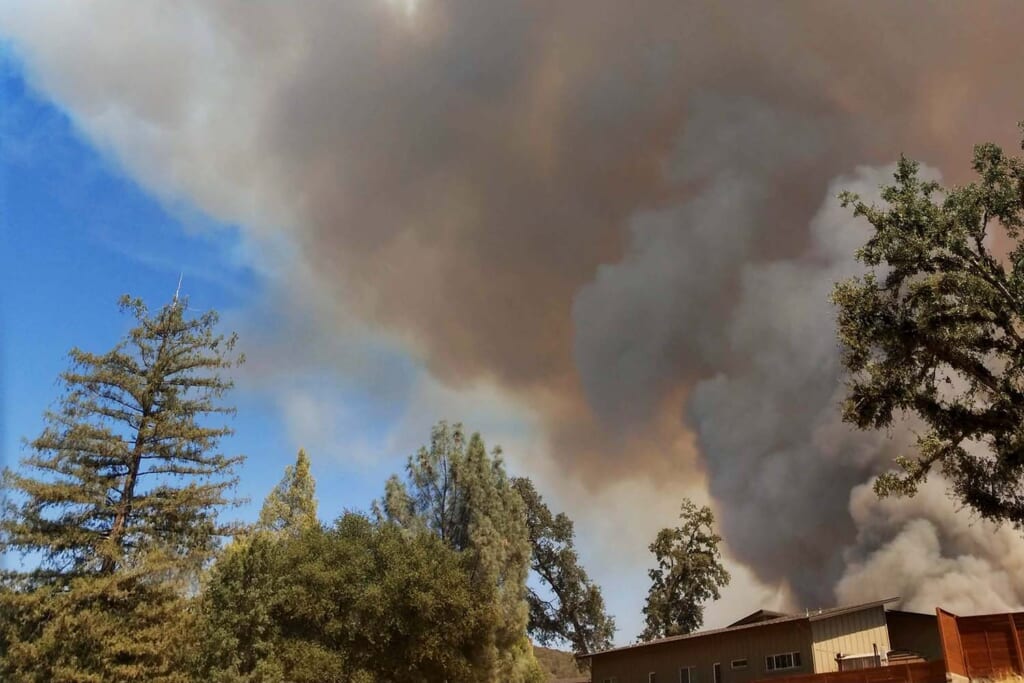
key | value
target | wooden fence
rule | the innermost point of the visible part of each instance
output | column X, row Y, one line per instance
column 916, row 672
column 985, row 646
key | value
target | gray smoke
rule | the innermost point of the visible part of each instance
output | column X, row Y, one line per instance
column 787, row 474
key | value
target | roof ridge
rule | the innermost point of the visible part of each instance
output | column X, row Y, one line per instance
column 821, row 614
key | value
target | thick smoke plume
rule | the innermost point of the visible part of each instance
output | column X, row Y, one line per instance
column 621, row 218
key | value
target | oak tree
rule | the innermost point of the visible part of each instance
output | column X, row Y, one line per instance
column 935, row 330
column 574, row 612
column 689, row 572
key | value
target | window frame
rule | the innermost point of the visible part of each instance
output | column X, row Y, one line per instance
column 771, row 661
column 691, row 671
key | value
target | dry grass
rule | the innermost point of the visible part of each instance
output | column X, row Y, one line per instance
column 1009, row 677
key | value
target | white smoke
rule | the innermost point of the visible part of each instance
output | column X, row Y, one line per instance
column 930, row 553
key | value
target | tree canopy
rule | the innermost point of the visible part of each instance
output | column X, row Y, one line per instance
column 117, row 510
column 935, row 330
column 459, row 493
column 356, row 602
column 576, row 612
column 117, row 502
column 689, row 572
column 291, row 505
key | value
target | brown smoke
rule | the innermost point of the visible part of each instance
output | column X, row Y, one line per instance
column 614, row 213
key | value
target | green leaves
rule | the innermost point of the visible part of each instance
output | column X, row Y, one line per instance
column 459, row 493
column 359, row 601
column 688, row 573
column 118, row 497
column 934, row 330
column 291, row 505
column 576, row 613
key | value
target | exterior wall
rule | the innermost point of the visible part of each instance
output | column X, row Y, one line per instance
column 917, row 672
column 665, row 659
column 854, row 633
column 916, row 633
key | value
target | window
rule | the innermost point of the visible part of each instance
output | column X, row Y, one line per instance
column 786, row 660
column 652, row 677
column 739, row 664
column 718, row 672
column 687, row 674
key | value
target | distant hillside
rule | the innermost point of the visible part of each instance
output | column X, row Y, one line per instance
column 557, row 664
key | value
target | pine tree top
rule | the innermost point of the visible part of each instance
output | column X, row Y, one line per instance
column 127, row 466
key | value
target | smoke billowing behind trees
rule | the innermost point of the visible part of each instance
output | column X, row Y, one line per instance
column 622, row 219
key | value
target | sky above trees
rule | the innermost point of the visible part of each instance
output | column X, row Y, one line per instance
column 605, row 241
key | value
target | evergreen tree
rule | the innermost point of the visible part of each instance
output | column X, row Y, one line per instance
column 463, row 496
column 935, row 330
column 291, row 505
column 689, row 573
column 116, row 504
column 577, row 613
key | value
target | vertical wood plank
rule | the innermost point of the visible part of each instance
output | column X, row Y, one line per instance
column 1016, row 644
column 988, row 651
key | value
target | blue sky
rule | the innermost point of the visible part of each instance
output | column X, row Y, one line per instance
column 77, row 234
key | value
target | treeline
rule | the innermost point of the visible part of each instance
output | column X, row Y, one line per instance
column 117, row 512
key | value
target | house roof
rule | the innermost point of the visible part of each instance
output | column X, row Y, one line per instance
column 757, row 617
column 809, row 616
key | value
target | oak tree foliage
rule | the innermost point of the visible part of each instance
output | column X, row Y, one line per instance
column 575, row 612
column 935, row 330
column 359, row 601
column 689, row 573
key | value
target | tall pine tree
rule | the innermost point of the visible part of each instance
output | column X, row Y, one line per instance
column 114, row 507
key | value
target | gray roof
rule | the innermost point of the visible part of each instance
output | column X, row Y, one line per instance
column 811, row 615
column 757, row 617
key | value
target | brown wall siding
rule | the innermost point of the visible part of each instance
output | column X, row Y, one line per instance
column 855, row 633
column 665, row 659
column 915, row 632
column 918, row 672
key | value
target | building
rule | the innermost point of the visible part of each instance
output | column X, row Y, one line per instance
column 766, row 645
